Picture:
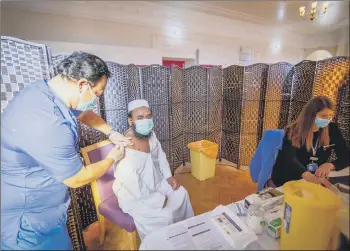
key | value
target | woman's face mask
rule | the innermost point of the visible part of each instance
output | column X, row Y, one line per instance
column 144, row 126
column 322, row 123
column 90, row 105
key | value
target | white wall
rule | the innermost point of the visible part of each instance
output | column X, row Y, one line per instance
column 118, row 54
column 140, row 44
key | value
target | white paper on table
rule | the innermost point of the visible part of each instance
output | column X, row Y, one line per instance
column 179, row 237
column 202, row 234
column 232, row 228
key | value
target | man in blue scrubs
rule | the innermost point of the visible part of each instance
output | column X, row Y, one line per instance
column 40, row 153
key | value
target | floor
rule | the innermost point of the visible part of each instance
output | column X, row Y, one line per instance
column 228, row 185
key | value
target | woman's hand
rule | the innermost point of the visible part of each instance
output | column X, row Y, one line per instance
column 116, row 153
column 324, row 170
column 173, row 183
column 316, row 180
column 119, row 139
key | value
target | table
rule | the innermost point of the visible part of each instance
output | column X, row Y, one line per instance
column 157, row 240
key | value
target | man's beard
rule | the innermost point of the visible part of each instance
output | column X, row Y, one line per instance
column 139, row 135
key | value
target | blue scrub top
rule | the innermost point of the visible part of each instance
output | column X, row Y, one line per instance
column 39, row 149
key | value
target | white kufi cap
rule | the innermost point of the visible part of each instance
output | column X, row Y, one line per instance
column 137, row 103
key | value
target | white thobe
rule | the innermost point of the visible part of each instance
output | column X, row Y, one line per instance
column 141, row 188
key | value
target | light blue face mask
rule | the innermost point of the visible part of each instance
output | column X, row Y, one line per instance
column 322, row 123
column 90, row 105
column 144, row 126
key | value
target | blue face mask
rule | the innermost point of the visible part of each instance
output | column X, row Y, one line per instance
column 90, row 105
column 144, row 126
column 321, row 123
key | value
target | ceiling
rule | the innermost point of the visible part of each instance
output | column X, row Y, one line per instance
column 280, row 14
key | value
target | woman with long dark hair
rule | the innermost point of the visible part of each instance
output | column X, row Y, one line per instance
column 307, row 146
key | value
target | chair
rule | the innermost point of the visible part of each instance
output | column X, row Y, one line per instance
column 105, row 200
column 265, row 157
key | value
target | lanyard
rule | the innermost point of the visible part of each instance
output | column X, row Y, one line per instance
column 314, row 148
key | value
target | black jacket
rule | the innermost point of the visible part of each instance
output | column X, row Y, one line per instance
column 291, row 162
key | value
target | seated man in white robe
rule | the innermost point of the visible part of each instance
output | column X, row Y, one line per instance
column 143, row 182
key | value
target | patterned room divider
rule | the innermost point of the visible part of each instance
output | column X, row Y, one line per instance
column 254, row 91
column 22, row 62
column 156, row 90
column 214, row 105
column 232, row 111
column 343, row 111
column 177, row 116
column 202, row 87
column 123, row 86
column 278, row 94
column 302, row 86
column 330, row 76
column 196, row 115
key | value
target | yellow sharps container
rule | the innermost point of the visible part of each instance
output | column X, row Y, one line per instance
column 310, row 216
column 203, row 159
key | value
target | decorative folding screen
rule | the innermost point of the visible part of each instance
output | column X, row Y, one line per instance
column 201, row 87
column 278, row 94
column 123, row 86
column 254, row 91
column 22, row 63
column 232, row 109
column 214, row 104
column 177, row 116
column 343, row 110
column 302, row 86
column 330, row 75
column 156, row 87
